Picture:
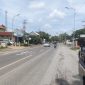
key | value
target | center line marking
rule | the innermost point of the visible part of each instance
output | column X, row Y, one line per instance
column 15, row 62
column 23, row 53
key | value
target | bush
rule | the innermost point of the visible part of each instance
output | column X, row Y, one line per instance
column 1, row 47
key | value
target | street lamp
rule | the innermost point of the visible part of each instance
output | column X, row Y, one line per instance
column 13, row 23
column 74, row 24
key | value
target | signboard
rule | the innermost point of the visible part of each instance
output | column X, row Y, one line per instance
column 29, row 38
column 83, row 35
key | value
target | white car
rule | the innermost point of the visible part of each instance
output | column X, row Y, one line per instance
column 3, row 44
column 46, row 45
column 11, row 42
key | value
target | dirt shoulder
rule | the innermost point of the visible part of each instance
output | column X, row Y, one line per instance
column 67, row 67
column 11, row 48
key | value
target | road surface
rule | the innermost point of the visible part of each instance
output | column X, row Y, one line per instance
column 67, row 72
column 26, row 67
column 40, row 66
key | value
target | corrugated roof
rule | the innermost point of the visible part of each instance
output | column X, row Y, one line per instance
column 34, row 33
column 5, row 33
column 2, row 27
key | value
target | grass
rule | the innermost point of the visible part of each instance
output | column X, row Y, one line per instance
column 74, row 48
column 2, row 48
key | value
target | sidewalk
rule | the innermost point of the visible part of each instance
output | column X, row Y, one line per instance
column 15, row 48
column 11, row 49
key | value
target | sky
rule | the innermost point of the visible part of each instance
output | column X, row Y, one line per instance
column 50, row 16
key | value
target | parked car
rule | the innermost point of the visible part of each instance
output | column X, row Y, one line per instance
column 46, row 44
column 3, row 44
column 11, row 42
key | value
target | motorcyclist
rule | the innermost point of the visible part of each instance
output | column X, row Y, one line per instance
column 55, row 44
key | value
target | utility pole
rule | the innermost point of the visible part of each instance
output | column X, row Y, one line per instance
column 24, row 25
column 74, row 37
column 13, row 19
column 6, row 19
column 24, row 29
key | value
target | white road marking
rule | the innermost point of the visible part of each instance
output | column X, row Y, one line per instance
column 15, row 62
column 23, row 59
column 24, row 52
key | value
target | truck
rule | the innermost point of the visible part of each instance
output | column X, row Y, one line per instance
column 81, row 54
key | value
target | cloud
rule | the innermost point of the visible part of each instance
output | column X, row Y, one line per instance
column 37, row 5
column 78, row 5
column 80, row 9
column 56, row 13
column 47, row 26
column 30, row 20
column 45, row 14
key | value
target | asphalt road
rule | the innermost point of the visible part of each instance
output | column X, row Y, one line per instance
column 27, row 66
column 40, row 66
column 67, row 70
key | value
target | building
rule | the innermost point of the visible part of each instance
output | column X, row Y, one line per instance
column 2, row 28
column 34, row 33
column 4, row 34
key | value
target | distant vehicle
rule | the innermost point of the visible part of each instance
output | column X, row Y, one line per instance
column 3, row 44
column 7, row 41
column 55, row 44
column 11, row 42
column 4, row 40
column 46, row 44
column 68, row 42
column 81, row 43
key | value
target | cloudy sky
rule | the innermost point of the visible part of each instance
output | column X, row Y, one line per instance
column 44, row 15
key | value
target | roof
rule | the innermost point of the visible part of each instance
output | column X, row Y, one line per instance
column 5, row 33
column 34, row 33
column 2, row 27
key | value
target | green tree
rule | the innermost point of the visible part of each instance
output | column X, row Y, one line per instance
column 64, row 37
column 54, row 38
column 78, row 32
column 44, row 35
column 35, row 39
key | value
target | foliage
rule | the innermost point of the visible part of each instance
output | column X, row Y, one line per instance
column 35, row 39
column 54, row 38
column 78, row 32
column 44, row 35
column 64, row 36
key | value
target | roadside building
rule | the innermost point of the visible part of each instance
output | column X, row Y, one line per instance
column 34, row 33
column 2, row 28
column 5, row 34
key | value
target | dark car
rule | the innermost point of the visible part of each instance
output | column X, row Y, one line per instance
column 81, row 54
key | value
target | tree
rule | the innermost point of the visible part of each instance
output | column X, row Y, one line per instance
column 35, row 39
column 64, row 37
column 78, row 32
column 44, row 35
column 54, row 38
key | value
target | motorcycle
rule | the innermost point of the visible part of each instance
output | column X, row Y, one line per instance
column 54, row 46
